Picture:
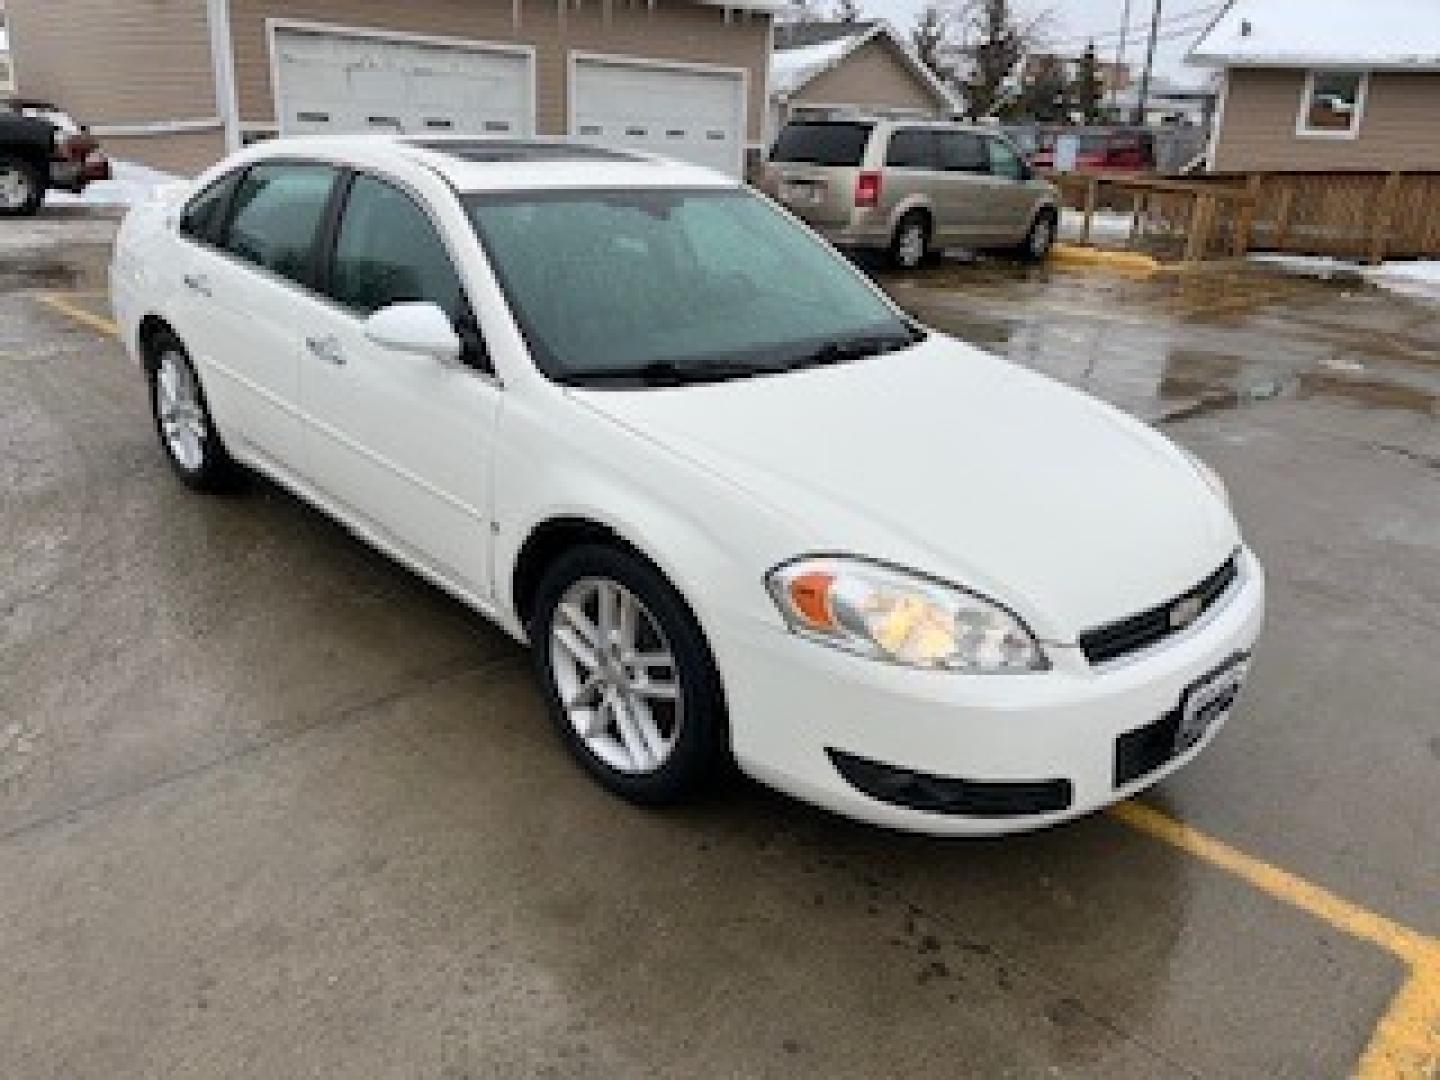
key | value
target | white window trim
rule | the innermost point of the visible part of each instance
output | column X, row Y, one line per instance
column 274, row 25
column 1303, row 130
column 580, row 56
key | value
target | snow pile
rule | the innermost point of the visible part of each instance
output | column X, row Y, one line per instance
column 130, row 185
column 1310, row 33
column 1415, row 279
column 791, row 69
column 1105, row 225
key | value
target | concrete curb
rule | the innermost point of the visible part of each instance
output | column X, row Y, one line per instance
column 1124, row 262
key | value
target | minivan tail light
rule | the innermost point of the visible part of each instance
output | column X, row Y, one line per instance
column 867, row 190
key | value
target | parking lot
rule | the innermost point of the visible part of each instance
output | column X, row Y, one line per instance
column 270, row 806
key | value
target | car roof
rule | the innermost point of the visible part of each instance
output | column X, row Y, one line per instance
column 475, row 165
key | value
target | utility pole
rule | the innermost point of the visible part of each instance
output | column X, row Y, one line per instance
column 1144, row 106
column 1119, row 72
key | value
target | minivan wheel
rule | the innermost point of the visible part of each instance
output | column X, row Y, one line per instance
column 911, row 245
column 21, row 189
column 182, row 420
column 628, row 677
column 1041, row 237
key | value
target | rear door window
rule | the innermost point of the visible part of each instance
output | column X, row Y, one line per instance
column 204, row 215
column 832, row 144
column 912, row 148
column 963, row 151
column 279, row 210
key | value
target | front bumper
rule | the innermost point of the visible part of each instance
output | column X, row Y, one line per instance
column 802, row 714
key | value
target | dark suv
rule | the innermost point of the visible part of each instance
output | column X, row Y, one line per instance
column 42, row 149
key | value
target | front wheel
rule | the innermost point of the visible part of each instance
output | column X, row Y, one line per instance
column 21, row 188
column 1040, row 239
column 628, row 676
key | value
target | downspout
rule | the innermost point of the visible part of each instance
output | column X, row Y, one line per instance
column 222, row 61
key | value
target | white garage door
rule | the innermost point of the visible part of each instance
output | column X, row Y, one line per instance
column 693, row 115
column 333, row 83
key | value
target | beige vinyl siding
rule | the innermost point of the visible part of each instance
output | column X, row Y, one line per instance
column 673, row 30
column 115, row 61
column 184, row 153
column 874, row 74
column 1399, row 131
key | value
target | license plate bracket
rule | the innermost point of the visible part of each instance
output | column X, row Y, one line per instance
column 1209, row 701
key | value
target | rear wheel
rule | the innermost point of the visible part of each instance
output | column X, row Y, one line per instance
column 182, row 420
column 911, row 244
column 628, row 676
column 21, row 188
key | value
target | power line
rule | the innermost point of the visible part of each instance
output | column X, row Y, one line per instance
column 1199, row 16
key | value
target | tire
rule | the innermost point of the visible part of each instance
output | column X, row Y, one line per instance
column 1035, row 248
column 182, row 419
column 910, row 246
column 22, row 189
column 673, row 713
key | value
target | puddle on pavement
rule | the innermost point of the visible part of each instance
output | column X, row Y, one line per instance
column 38, row 273
column 1191, row 340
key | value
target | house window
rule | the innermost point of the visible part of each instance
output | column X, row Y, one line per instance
column 1333, row 105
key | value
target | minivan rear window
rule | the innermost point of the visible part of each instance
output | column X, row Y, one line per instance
column 841, row 144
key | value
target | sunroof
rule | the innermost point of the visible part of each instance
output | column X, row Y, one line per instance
column 500, row 150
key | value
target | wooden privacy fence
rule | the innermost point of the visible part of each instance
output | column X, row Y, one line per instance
column 1362, row 216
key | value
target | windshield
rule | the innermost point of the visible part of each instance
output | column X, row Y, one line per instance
column 822, row 143
column 664, row 284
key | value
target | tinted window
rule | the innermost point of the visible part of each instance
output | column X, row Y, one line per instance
column 204, row 216
column 911, row 148
column 1004, row 161
column 822, row 144
column 388, row 252
column 963, row 151
column 699, row 279
column 278, row 212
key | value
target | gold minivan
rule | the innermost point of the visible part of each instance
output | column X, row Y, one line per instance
column 911, row 187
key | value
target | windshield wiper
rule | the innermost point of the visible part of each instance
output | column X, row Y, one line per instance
column 844, row 350
column 668, row 373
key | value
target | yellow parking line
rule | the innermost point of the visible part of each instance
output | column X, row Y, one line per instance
column 64, row 305
column 1406, row 1042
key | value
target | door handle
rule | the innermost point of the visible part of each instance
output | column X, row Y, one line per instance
column 326, row 348
column 196, row 283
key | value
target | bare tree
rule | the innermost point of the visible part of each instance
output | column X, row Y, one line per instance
column 931, row 40
column 800, row 12
column 848, row 11
column 1088, row 88
column 994, row 37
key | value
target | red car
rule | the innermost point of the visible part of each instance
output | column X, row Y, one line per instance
column 43, row 149
column 1121, row 150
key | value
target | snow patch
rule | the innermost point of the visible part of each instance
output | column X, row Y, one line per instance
column 1419, row 279
column 1310, row 33
column 130, row 185
column 1105, row 225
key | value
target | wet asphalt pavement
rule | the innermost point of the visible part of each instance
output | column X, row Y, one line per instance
column 272, row 807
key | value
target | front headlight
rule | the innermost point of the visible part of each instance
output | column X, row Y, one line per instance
column 1210, row 476
column 888, row 614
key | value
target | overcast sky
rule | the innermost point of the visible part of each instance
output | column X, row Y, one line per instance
column 1071, row 22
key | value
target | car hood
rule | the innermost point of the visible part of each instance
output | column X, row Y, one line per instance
column 960, row 465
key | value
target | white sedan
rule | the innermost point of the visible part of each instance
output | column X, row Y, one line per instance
column 738, row 504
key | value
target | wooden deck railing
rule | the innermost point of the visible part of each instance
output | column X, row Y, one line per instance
column 1363, row 216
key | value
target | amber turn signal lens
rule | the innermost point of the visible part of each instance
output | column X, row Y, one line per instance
column 810, row 593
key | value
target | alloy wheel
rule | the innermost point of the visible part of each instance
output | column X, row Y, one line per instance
column 182, row 418
column 15, row 190
column 911, row 247
column 616, row 676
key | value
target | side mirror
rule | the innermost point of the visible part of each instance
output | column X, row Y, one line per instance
column 418, row 328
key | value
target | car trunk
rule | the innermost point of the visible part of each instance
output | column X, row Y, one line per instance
column 814, row 169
